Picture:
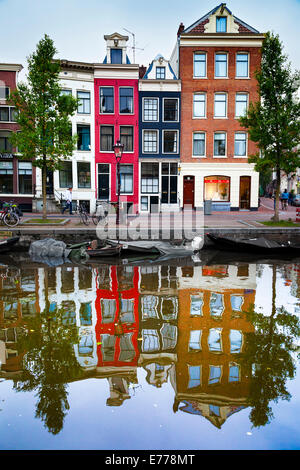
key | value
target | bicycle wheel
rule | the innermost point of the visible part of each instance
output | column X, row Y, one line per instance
column 11, row 219
column 95, row 219
column 84, row 218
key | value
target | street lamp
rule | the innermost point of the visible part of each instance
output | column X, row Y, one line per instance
column 118, row 149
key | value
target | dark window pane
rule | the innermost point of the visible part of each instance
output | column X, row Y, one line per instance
column 65, row 175
column 106, row 100
column 106, row 138
column 4, row 114
column 116, row 56
column 126, row 100
column 170, row 110
column 84, row 174
column 84, row 138
column 126, row 138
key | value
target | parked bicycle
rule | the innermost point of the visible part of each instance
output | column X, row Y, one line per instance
column 83, row 213
column 10, row 214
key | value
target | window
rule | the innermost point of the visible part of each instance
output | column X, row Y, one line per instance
column 220, row 105
column 107, row 100
column 106, row 138
column 126, row 138
column 217, row 188
column 116, row 56
column 160, row 73
column 221, row 65
column 8, row 114
column 150, row 142
column 221, row 24
column 126, row 179
column 66, row 92
column 234, row 372
column 5, row 145
column 216, row 305
column 169, row 183
column 194, row 376
column 144, row 203
column 150, row 340
column 195, row 340
column 241, row 104
column 220, row 144
column 170, row 141
column 6, row 177
column 170, row 110
column 236, row 341
column 240, row 144
column 242, row 69
column 199, row 144
column 215, row 340
column 103, row 181
column 215, row 373
column 84, row 105
column 4, row 114
column 199, row 105
column 126, row 100
column 150, row 111
column 199, row 65
column 84, row 174
column 237, row 302
column 84, row 137
column 65, row 175
column 4, row 92
column 25, row 177
column 196, row 305
column 149, row 175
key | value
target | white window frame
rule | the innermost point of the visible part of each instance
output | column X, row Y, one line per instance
column 109, row 179
column 246, row 142
column 10, row 108
column 162, row 147
column 104, row 114
column 196, row 76
column 133, row 103
column 5, row 86
column 205, row 140
column 205, row 105
column 163, row 110
column 222, row 77
column 220, row 156
column 248, row 63
column 143, row 141
column 226, row 105
column 247, row 103
column 143, row 110
column 90, row 100
column 124, row 193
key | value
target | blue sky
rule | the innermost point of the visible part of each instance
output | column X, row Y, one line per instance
column 77, row 27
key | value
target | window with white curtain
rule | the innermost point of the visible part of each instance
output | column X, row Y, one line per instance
column 195, row 340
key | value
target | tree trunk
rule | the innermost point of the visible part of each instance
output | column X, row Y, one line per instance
column 277, row 195
column 44, row 191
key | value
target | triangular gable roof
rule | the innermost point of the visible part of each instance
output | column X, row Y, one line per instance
column 151, row 67
column 198, row 26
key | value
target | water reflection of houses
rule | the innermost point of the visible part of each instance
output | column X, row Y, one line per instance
column 209, row 379
column 159, row 316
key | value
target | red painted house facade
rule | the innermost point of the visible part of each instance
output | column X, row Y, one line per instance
column 117, row 118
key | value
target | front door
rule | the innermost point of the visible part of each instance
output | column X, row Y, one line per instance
column 103, row 182
column 188, row 191
column 245, row 185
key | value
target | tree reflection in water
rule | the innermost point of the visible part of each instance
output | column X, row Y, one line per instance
column 49, row 364
column 268, row 354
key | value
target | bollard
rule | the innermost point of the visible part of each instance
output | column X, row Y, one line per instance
column 298, row 214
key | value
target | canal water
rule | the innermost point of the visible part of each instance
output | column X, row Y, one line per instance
column 181, row 354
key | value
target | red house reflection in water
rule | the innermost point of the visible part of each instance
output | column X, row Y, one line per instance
column 117, row 325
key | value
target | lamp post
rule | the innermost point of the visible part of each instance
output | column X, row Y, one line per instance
column 118, row 149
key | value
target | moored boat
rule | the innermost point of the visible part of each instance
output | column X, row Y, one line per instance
column 7, row 243
column 104, row 251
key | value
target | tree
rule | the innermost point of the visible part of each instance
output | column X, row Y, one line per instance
column 43, row 116
column 273, row 122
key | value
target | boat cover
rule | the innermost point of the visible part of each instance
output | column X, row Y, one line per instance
column 161, row 247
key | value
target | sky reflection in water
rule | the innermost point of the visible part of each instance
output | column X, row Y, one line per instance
column 174, row 356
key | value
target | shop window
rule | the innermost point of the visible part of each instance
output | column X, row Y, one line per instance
column 84, row 174
column 150, row 109
column 65, row 175
column 6, row 177
column 170, row 109
column 194, row 376
column 107, row 100
column 126, row 138
column 84, row 137
column 217, row 188
column 126, row 100
column 25, row 177
column 149, row 176
column 84, row 104
column 106, row 138
column 199, row 64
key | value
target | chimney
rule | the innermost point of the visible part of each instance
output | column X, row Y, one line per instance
column 180, row 29
column 142, row 71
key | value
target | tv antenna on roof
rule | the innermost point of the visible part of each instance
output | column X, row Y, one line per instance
column 133, row 47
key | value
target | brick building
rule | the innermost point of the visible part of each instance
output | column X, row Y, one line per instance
column 216, row 58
